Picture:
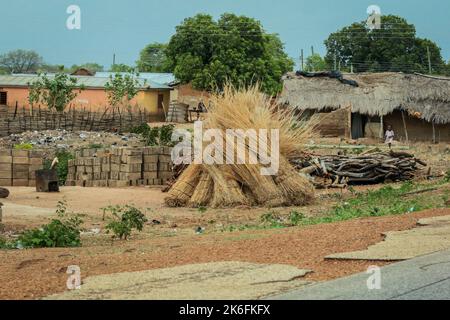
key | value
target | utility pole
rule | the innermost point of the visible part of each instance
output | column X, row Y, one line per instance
column 429, row 60
column 312, row 50
column 335, row 61
column 302, row 57
column 114, row 59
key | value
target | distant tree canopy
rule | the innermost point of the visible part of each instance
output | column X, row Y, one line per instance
column 394, row 47
column 50, row 68
column 153, row 58
column 315, row 63
column 20, row 61
column 120, row 67
column 234, row 49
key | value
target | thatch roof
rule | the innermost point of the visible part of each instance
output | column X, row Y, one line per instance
column 376, row 94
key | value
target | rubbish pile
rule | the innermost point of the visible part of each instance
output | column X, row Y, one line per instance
column 230, row 185
column 62, row 139
column 340, row 170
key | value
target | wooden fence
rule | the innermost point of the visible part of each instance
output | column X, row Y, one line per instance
column 17, row 120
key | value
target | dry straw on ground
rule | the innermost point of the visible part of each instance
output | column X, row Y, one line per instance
column 242, row 184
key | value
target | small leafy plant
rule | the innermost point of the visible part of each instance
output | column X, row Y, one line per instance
column 156, row 136
column 63, row 165
column 447, row 176
column 295, row 218
column 61, row 232
column 202, row 209
column 23, row 146
column 271, row 219
column 123, row 219
column 5, row 244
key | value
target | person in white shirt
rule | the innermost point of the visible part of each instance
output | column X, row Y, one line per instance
column 389, row 136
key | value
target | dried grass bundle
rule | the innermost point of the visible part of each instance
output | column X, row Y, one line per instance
column 242, row 184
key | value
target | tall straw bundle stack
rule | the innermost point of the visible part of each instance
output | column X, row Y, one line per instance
column 228, row 185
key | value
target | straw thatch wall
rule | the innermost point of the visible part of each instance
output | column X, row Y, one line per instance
column 378, row 94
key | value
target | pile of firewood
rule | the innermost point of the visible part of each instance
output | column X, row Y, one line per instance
column 342, row 170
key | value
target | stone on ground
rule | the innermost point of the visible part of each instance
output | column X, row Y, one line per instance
column 433, row 235
column 221, row 280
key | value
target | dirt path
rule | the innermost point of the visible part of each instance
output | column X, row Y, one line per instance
column 37, row 273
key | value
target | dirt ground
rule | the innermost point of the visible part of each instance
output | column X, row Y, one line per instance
column 169, row 239
column 32, row 274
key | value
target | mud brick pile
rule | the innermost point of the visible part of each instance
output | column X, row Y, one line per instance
column 17, row 167
column 120, row 167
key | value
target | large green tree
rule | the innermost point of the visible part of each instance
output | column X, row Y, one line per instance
column 234, row 49
column 56, row 92
column 121, row 89
column 394, row 47
column 153, row 58
column 20, row 61
column 315, row 63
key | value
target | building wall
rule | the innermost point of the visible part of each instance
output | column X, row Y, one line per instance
column 184, row 93
column 337, row 124
column 418, row 130
column 333, row 124
column 149, row 100
column 91, row 98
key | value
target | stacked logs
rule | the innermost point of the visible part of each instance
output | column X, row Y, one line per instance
column 342, row 170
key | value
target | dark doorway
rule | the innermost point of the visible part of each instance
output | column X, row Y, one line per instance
column 358, row 125
column 160, row 101
column 3, row 98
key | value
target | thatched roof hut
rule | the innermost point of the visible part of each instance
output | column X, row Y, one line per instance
column 376, row 94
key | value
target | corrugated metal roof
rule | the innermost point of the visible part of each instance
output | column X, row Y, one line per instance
column 21, row 80
column 162, row 78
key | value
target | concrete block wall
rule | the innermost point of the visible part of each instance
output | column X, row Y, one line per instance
column 120, row 167
column 17, row 167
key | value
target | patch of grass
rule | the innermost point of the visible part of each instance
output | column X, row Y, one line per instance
column 385, row 201
column 95, row 146
column 23, row 146
column 202, row 209
column 382, row 202
column 5, row 244
column 447, row 176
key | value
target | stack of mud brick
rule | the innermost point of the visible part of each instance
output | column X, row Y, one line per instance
column 17, row 167
column 120, row 167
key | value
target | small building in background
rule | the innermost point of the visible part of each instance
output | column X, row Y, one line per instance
column 83, row 72
column 362, row 105
column 153, row 96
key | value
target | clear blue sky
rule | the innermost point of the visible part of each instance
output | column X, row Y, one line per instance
column 124, row 27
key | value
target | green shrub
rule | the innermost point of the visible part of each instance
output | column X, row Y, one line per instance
column 5, row 244
column 156, row 136
column 447, row 176
column 62, row 232
column 123, row 219
column 95, row 146
column 295, row 218
column 141, row 129
column 272, row 220
column 23, row 146
column 62, row 167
